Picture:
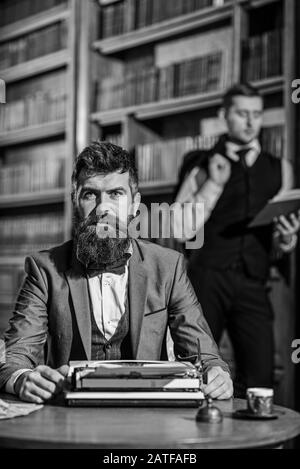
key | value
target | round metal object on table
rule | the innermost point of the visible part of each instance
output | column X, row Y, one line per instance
column 209, row 413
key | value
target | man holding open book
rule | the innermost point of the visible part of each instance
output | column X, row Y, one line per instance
column 235, row 180
column 104, row 295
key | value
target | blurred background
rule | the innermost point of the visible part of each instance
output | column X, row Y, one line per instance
column 128, row 71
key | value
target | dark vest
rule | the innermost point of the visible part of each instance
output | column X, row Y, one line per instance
column 118, row 347
column 228, row 242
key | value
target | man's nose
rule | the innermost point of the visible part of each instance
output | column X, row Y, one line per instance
column 250, row 120
column 102, row 206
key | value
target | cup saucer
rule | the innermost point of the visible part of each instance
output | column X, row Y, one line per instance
column 245, row 414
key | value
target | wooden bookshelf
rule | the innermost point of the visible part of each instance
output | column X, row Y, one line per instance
column 164, row 29
column 270, row 85
column 49, row 71
column 36, row 66
column 255, row 3
column 158, row 108
column 34, row 22
column 32, row 198
column 33, row 133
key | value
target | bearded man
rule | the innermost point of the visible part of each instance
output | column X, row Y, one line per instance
column 103, row 295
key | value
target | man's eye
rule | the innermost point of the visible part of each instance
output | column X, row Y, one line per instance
column 88, row 195
column 115, row 194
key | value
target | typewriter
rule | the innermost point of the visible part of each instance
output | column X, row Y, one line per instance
column 134, row 383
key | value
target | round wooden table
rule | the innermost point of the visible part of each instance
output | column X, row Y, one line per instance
column 67, row 427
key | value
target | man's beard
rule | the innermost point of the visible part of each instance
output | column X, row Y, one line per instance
column 92, row 249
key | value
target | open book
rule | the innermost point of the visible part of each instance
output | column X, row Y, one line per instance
column 283, row 204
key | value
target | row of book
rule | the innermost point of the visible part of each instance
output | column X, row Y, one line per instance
column 116, row 139
column 24, row 234
column 33, row 45
column 40, row 107
column 160, row 161
column 128, row 15
column 15, row 10
column 31, row 176
column 272, row 140
column 262, row 56
column 198, row 75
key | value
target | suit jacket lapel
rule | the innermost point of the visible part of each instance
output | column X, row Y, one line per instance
column 80, row 296
column 137, row 289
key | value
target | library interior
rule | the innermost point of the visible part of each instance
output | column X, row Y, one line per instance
column 149, row 76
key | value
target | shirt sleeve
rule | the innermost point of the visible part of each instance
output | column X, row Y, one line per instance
column 10, row 384
column 203, row 198
column 287, row 184
column 287, row 175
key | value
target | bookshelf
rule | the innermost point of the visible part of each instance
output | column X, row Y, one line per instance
column 127, row 55
column 123, row 40
column 38, row 50
column 127, row 71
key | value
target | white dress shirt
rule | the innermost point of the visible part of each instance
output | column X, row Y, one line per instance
column 108, row 298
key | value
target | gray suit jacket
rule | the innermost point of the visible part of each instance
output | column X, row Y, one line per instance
column 51, row 322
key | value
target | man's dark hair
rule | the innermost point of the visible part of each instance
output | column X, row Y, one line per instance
column 104, row 158
column 240, row 89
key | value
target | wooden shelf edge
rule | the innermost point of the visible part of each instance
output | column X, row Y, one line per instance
column 37, row 132
column 269, row 85
column 36, row 66
column 159, row 108
column 164, row 29
column 256, row 3
column 34, row 22
column 179, row 105
column 32, row 198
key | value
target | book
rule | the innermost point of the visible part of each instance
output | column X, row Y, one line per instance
column 282, row 204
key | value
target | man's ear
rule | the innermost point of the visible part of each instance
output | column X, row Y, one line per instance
column 135, row 204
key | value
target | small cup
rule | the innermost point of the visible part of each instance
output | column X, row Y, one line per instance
column 260, row 401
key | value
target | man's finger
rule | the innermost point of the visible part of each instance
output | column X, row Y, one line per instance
column 28, row 397
column 43, row 383
column 222, row 392
column 214, row 384
column 282, row 230
column 30, row 388
column 63, row 370
column 49, row 373
column 283, row 220
column 295, row 222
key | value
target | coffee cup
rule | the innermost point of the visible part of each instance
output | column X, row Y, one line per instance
column 260, row 401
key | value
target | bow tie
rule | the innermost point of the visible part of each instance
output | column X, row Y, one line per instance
column 117, row 267
column 246, row 154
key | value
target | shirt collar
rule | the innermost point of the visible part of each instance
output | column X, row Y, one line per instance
column 254, row 150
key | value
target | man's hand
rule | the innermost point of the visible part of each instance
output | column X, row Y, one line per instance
column 41, row 384
column 219, row 384
column 219, row 169
column 287, row 227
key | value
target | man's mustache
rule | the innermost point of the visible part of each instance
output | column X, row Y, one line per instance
column 107, row 219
